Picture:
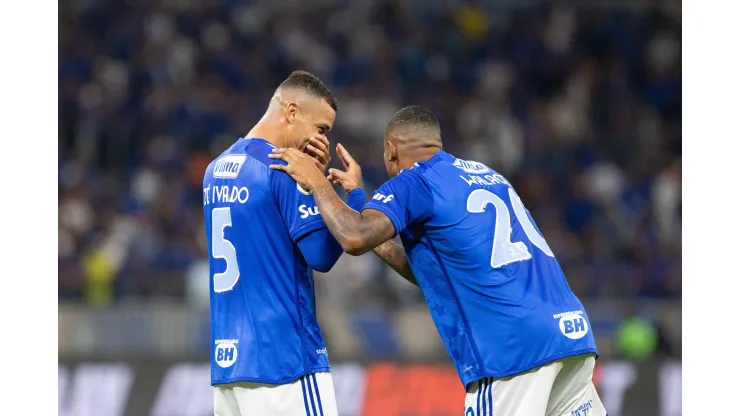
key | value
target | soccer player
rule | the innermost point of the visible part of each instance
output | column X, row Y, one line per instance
column 265, row 236
column 517, row 335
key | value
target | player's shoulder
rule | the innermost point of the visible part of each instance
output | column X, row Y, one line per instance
column 408, row 181
column 410, row 176
column 259, row 150
column 244, row 155
column 423, row 168
column 438, row 160
column 432, row 168
column 467, row 166
column 420, row 173
column 256, row 150
column 228, row 164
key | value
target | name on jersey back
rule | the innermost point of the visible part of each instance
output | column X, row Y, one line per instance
column 225, row 194
column 226, row 167
column 479, row 174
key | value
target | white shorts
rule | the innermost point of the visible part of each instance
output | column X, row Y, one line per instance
column 311, row 395
column 559, row 388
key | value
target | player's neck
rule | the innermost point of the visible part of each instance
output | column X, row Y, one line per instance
column 421, row 155
column 263, row 130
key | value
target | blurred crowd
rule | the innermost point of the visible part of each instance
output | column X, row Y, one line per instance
column 579, row 107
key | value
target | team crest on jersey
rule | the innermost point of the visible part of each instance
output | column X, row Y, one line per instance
column 470, row 166
column 228, row 167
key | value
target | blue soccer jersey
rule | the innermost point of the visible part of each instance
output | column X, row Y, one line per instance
column 494, row 289
column 263, row 317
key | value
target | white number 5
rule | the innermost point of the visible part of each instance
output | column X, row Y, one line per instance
column 504, row 251
column 222, row 248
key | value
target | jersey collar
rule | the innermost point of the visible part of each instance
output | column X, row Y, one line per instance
column 440, row 156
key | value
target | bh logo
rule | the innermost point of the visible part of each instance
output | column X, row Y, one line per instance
column 573, row 326
column 470, row 412
column 226, row 354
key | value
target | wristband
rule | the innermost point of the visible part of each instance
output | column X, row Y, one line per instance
column 356, row 199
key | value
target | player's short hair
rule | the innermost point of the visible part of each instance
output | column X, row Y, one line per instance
column 311, row 84
column 414, row 117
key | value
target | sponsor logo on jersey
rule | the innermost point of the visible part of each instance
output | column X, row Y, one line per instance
column 470, row 166
column 228, row 167
column 226, row 353
column 572, row 324
column 383, row 198
column 307, row 211
column 322, row 351
column 583, row 410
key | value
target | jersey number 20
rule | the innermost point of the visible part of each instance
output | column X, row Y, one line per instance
column 221, row 248
column 505, row 251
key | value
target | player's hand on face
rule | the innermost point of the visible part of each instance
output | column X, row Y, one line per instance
column 351, row 178
column 318, row 148
column 300, row 167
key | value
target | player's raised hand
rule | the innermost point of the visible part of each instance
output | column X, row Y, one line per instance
column 318, row 147
column 351, row 178
column 300, row 166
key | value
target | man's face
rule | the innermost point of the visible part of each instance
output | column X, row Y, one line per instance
column 312, row 117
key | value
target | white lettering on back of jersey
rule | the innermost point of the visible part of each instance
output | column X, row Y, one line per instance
column 228, row 167
column 225, row 194
column 219, row 192
column 306, row 211
column 495, row 179
column 206, row 195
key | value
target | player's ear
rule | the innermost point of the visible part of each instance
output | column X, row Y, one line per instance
column 392, row 151
column 291, row 112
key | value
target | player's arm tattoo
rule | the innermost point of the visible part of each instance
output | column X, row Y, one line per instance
column 356, row 232
column 395, row 256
